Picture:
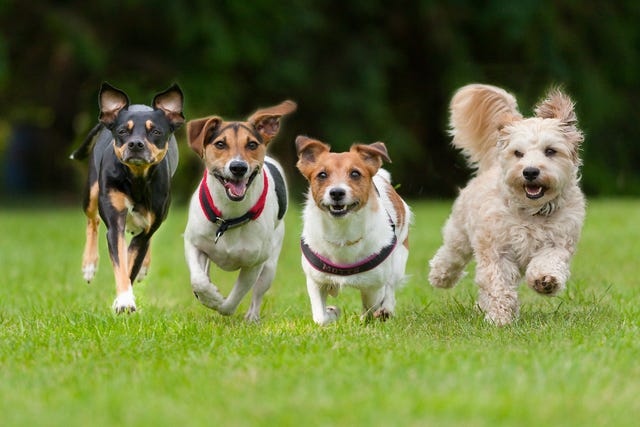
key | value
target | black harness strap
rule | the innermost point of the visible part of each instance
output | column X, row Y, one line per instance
column 281, row 188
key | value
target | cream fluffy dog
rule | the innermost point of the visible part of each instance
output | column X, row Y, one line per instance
column 522, row 214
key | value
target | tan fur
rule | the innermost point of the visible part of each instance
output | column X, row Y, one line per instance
column 237, row 140
column 338, row 167
column 514, row 226
column 121, row 268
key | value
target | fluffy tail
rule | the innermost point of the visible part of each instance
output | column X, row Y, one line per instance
column 478, row 112
column 83, row 151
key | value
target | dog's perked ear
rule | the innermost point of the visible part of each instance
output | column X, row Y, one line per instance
column 111, row 102
column 558, row 105
column 372, row 154
column 308, row 150
column 171, row 102
column 200, row 131
column 266, row 121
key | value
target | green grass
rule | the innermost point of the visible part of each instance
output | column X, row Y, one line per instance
column 65, row 359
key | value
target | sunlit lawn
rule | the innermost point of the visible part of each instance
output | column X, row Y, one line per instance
column 65, row 359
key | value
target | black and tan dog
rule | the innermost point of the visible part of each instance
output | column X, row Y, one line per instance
column 133, row 158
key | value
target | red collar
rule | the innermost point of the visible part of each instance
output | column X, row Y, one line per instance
column 214, row 214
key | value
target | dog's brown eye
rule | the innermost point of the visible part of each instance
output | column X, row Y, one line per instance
column 220, row 145
column 252, row 145
column 156, row 132
column 518, row 154
column 322, row 175
column 354, row 174
column 123, row 131
column 549, row 152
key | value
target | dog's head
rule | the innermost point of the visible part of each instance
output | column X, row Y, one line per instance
column 540, row 155
column 340, row 183
column 140, row 133
column 233, row 152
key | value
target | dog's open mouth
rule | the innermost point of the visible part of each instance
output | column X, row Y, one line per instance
column 338, row 210
column 534, row 191
column 235, row 188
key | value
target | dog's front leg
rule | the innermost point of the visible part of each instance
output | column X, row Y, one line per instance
column 125, row 301
column 497, row 279
column 322, row 314
column 245, row 281
column 548, row 271
column 205, row 291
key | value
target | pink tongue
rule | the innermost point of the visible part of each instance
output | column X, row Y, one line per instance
column 237, row 188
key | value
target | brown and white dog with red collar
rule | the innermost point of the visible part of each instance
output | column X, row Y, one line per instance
column 236, row 214
column 356, row 228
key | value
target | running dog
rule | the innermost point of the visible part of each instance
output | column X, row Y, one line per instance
column 356, row 228
column 236, row 213
column 133, row 158
column 522, row 214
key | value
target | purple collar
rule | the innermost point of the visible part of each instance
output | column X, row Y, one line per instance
column 323, row 265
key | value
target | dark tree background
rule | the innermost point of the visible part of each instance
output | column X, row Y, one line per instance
column 360, row 70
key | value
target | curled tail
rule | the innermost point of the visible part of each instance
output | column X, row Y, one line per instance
column 477, row 113
column 83, row 151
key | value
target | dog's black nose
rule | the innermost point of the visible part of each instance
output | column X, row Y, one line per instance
column 530, row 173
column 337, row 194
column 238, row 168
column 135, row 145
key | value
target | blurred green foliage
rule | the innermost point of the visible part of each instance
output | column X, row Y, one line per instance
column 360, row 70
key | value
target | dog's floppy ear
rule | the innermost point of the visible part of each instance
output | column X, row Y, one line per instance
column 266, row 121
column 171, row 102
column 372, row 154
column 111, row 102
column 308, row 150
column 558, row 105
column 199, row 131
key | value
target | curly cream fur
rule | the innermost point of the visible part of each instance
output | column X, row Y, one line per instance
column 512, row 232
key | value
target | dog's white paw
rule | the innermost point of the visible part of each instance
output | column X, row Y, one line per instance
column 252, row 317
column 89, row 271
column 331, row 314
column 125, row 302
column 142, row 274
column 208, row 295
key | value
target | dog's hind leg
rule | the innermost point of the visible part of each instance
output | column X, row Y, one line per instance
column 379, row 303
column 265, row 278
column 90, row 256
column 259, row 289
column 447, row 265
column 497, row 278
column 245, row 281
column 144, row 268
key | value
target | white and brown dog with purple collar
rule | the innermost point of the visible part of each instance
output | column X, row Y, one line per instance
column 356, row 228
column 236, row 213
